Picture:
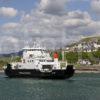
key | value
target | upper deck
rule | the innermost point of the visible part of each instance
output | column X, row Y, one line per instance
column 36, row 52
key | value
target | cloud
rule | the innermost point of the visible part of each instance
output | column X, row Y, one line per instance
column 10, row 44
column 9, row 28
column 10, row 25
column 79, row 14
column 53, row 6
column 55, row 30
column 50, row 28
column 95, row 5
column 77, row 19
column 8, row 12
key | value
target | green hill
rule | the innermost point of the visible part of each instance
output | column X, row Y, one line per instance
column 88, row 39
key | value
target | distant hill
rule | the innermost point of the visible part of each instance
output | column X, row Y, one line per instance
column 90, row 39
column 86, row 40
column 12, row 54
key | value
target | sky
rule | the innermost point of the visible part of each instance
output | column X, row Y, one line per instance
column 54, row 23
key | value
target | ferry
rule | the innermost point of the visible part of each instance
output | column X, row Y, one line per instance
column 36, row 62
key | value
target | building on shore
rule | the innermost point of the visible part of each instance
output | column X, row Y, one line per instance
column 90, row 46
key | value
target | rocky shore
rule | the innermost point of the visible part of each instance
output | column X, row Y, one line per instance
column 88, row 69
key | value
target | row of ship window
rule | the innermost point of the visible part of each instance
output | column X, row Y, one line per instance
column 33, row 61
column 35, row 50
column 40, row 60
column 30, row 61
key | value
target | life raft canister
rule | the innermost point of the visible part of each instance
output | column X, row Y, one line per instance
column 55, row 55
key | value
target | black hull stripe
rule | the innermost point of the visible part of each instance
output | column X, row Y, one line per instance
column 54, row 74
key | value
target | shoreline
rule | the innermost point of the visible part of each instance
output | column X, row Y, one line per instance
column 88, row 69
column 77, row 71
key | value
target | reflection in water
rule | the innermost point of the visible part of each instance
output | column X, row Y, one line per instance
column 79, row 87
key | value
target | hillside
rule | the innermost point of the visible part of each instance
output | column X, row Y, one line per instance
column 11, row 54
column 88, row 39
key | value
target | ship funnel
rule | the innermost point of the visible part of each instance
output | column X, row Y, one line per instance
column 55, row 55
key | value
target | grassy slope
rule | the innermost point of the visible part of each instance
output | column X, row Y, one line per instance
column 90, row 39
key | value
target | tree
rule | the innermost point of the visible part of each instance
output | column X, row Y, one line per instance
column 72, row 57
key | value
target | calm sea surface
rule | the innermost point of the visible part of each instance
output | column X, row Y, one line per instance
column 79, row 87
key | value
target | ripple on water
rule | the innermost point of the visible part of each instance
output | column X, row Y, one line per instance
column 79, row 87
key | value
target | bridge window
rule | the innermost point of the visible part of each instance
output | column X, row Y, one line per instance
column 30, row 61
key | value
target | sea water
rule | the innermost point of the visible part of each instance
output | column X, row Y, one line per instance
column 79, row 87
